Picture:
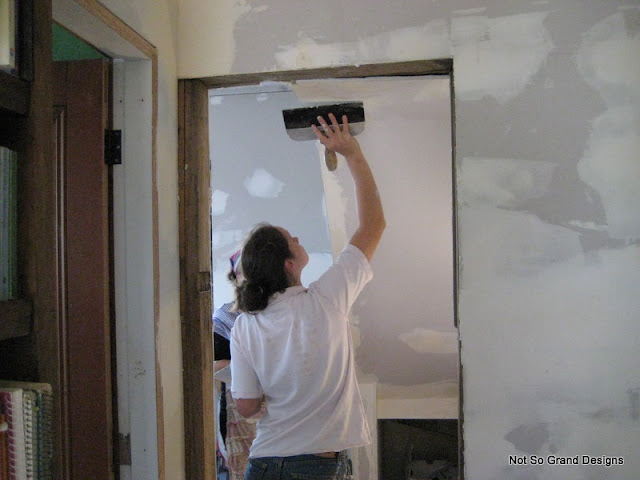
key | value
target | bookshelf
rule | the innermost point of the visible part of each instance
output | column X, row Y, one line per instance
column 30, row 323
column 15, row 99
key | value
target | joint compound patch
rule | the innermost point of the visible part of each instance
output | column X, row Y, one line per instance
column 611, row 165
column 607, row 59
column 498, row 57
column 427, row 41
column 262, row 184
column 218, row 202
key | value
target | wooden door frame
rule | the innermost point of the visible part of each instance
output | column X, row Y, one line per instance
column 194, row 191
column 98, row 26
column 195, row 236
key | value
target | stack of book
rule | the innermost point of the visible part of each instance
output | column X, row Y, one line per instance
column 8, row 223
column 26, row 437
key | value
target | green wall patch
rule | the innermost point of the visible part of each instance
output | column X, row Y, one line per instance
column 66, row 46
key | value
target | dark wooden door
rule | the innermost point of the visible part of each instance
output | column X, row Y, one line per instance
column 81, row 100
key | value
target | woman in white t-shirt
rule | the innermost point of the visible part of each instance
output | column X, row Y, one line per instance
column 291, row 348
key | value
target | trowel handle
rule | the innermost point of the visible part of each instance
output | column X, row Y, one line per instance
column 330, row 159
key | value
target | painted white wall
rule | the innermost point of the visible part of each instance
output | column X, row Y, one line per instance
column 547, row 120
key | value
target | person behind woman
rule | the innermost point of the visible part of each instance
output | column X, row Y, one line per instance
column 237, row 432
column 292, row 348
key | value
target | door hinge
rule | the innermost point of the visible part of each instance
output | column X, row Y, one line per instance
column 123, row 451
column 113, row 147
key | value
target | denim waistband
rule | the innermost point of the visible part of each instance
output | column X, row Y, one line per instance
column 304, row 456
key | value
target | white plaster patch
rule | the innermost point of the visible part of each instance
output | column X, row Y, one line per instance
column 611, row 165
column 218, row 202
column 262, row 97
column 262, row 184
column 608, row 56
column 498, row 57
column 427, row 41
column 608, row 60
column 502, row 182
column 423, row 340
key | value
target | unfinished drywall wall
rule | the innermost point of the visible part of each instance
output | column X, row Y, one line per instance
column 547, row 123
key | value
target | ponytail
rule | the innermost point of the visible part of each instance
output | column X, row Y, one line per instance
column 263, row 256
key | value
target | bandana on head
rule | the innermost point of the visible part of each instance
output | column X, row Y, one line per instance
column 235, row 261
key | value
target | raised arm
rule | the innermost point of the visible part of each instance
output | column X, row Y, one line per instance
column 371, row 221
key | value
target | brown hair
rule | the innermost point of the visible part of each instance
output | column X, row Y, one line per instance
column 262, row 263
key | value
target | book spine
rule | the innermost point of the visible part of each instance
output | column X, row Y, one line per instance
column 11, row 467
column 13, row 226
column 4, row 227
column 8, row 223
column 30, row 426
column 4, row 443
column 47, row 444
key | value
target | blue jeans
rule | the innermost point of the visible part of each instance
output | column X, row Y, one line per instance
column 298, row 467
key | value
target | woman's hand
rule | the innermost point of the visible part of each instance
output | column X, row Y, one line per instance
column 335, row 138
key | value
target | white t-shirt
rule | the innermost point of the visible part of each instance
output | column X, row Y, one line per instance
column 299, row 353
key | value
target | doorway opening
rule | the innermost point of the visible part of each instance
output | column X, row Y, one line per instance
column 259, row 174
